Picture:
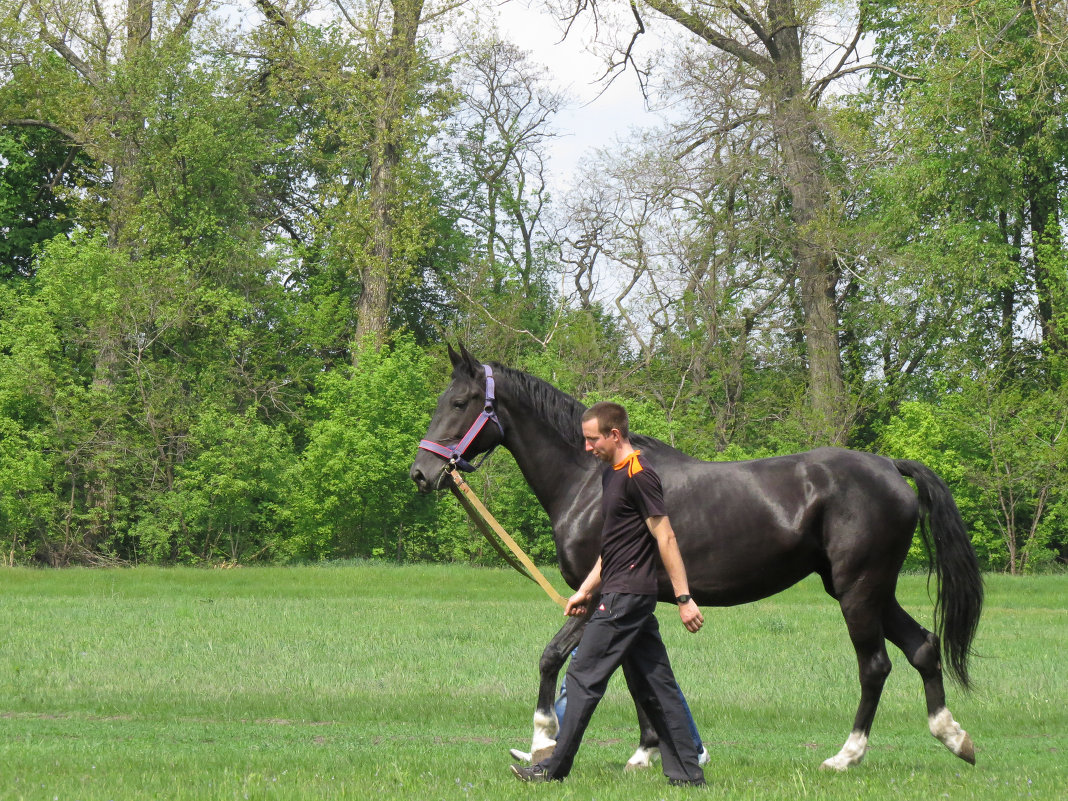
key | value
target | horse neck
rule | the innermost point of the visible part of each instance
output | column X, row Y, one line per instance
column 555, row 468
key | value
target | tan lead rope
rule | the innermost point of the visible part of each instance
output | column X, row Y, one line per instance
column 475, row 507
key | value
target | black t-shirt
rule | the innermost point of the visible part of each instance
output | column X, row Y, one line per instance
column 631, row 492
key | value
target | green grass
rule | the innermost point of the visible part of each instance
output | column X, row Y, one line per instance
column 379, row 682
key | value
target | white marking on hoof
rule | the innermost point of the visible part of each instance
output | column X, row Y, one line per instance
column 519, row 756
column 704, row 757
column 951, row 735
column 642, row 758
column 851, row 754
column 539, row 756
column 543, row 742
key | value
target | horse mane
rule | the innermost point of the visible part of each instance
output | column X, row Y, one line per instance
column 561, row 412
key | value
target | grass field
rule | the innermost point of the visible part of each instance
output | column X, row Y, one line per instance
column 381, row 682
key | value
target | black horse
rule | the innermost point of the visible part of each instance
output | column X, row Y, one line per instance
column 746, row 530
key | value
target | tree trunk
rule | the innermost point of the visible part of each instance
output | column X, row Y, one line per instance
column 811, row 211
column 1049, row 258
column 394, row 81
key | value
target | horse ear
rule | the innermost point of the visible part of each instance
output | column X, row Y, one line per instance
column 454, row 357
column 473, row 364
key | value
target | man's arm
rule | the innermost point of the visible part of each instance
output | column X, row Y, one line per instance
column 676, row 570
column 576, row 604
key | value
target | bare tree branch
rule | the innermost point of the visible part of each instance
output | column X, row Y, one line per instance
column 817, row 88
column 698, row 27
column 70, row 56
column 733, row 125
column 816, row 91
column 543, row 342
column 753, row 23
column 43, row 124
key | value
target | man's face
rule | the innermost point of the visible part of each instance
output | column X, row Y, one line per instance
column 603, row 446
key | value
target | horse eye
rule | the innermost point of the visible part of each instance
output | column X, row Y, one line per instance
column 459, row 405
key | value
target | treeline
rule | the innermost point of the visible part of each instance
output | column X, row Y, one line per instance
column 234, row 240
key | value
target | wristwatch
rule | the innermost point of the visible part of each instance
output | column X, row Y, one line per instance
column 682, row 599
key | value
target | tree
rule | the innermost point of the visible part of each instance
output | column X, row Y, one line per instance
column 350, row 492
column 984, row 144
column 361, row 202
column 773, row 53
column 94, row 94
column 164, row 302
column 396, row 69
column 501, row 128
column 1025, row 439
column 1000, row 443
column 687, row 246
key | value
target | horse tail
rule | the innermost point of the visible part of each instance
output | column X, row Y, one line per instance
column 959, row 584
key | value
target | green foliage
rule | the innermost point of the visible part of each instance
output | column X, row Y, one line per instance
column 501, row 486
column 1023, row 473
column 37, row 167
column 925, row 433
column 1002, row 450
column 25, row 500
column 350, row 492
column 974, row 200
column 225, row 504
column 199, row 160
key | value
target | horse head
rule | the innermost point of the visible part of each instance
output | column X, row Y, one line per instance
column 464, row 425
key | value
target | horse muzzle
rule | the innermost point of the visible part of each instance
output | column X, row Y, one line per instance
column 430, row 478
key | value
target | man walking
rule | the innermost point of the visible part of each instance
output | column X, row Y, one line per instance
column 623, row 630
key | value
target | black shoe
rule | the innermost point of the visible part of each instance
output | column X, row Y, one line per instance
column 687, row 782
column 533, row 773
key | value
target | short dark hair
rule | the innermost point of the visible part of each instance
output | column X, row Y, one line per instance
column 608, row 416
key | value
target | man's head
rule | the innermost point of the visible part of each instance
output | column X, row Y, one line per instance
column 606, row 429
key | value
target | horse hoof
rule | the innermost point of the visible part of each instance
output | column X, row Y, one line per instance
column 952, row 736
column 542, row 754
column 852, row 753
column 967, row 750
column 641, row 759
column 519, row 756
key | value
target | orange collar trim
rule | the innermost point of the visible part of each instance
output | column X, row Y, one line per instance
column 631, row 463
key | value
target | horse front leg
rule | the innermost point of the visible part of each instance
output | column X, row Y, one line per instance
column 546, row 726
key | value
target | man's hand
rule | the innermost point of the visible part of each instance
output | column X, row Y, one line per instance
column 691, row 616
column 577, row 603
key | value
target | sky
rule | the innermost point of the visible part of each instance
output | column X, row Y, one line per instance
column 600, row 116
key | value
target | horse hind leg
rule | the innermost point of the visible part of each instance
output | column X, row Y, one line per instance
column 863, row 619
column 922, row 650
column 648, row 743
